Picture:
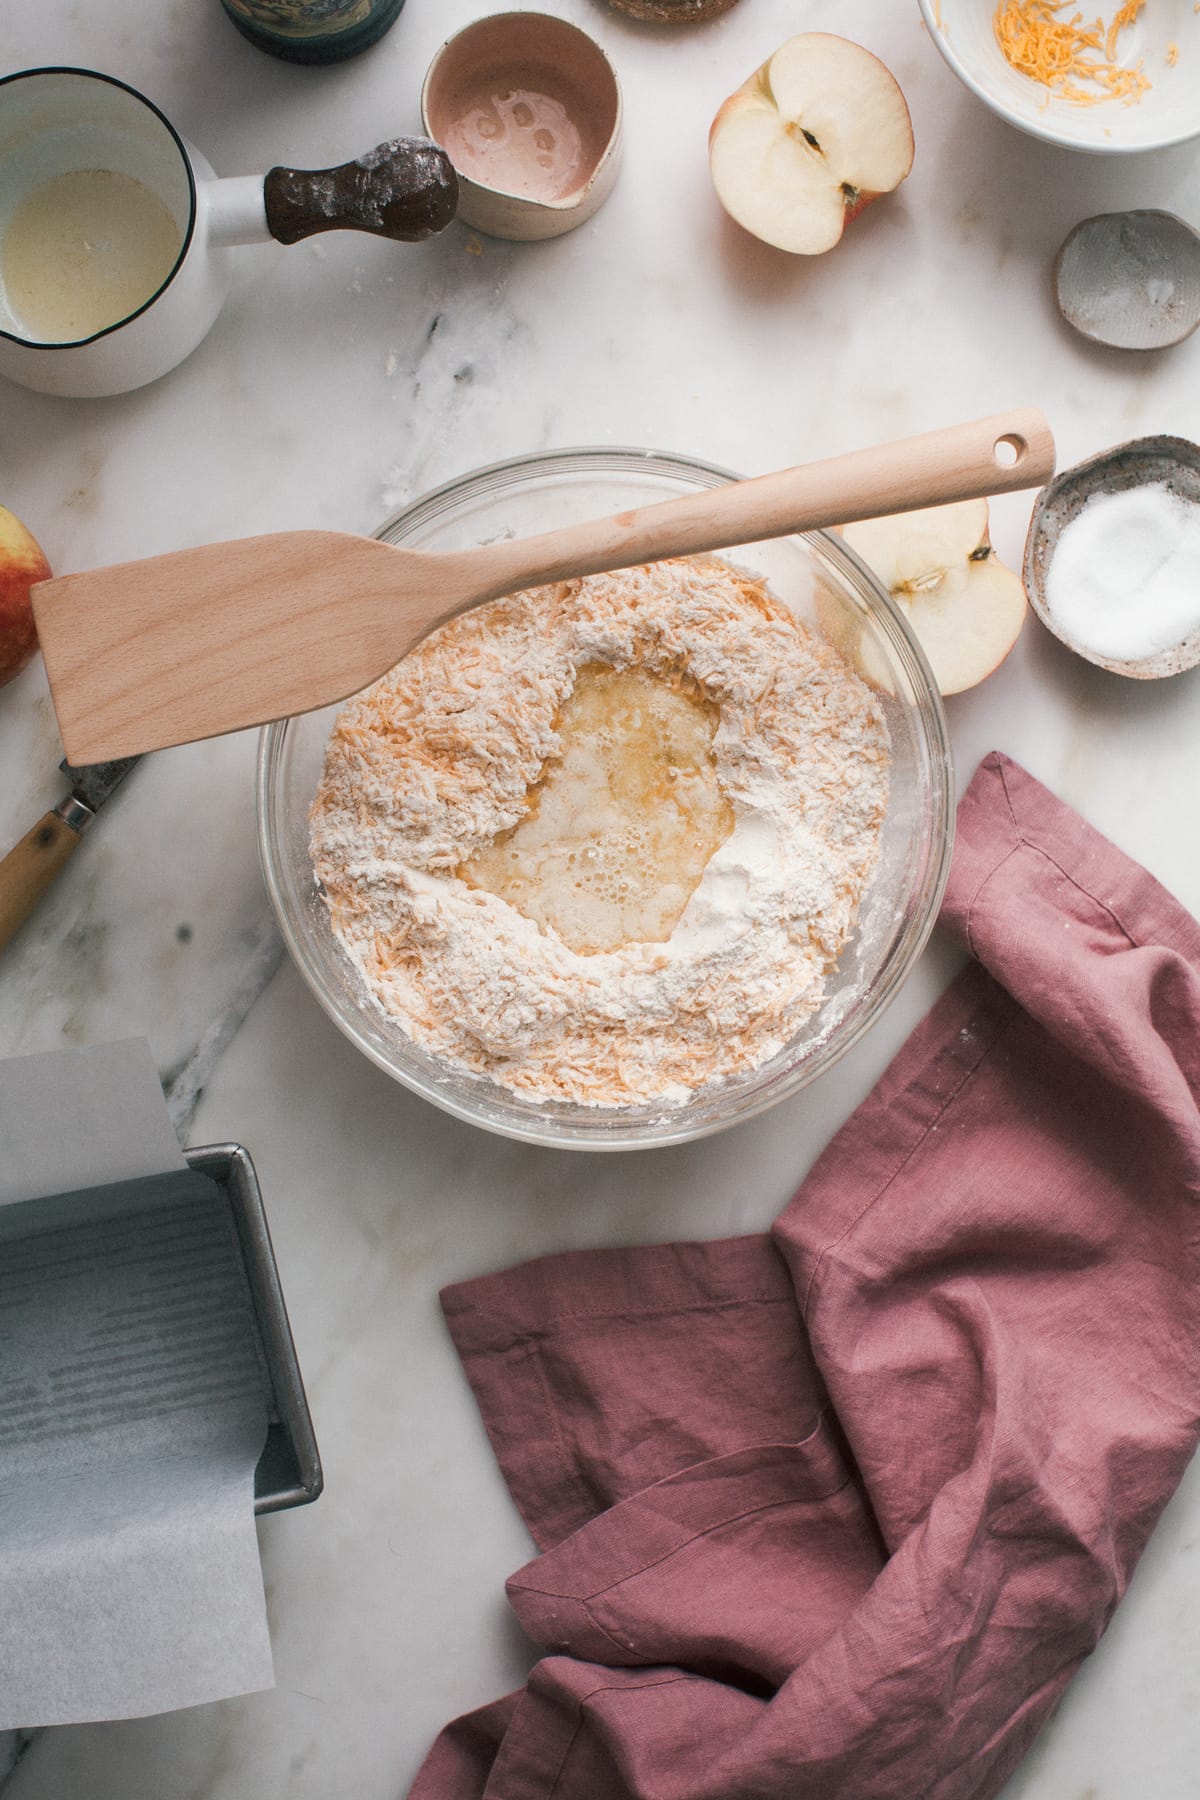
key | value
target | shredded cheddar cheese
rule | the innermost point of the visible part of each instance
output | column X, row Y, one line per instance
column 1073, row 60
column 1127, row 14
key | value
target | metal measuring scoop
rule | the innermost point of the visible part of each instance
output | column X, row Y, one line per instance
column 1130, row 280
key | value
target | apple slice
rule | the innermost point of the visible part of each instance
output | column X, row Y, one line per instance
column 814, row 135
column 964, row 605
column 22, row 562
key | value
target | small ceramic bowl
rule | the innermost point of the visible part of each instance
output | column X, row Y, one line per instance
column 1130, row 280
column 1170, row 462
column 529, row 111
column 1164, row 40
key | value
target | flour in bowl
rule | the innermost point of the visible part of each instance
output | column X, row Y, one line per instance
column 604, row 841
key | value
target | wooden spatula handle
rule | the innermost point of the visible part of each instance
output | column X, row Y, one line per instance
column 961, row 462
column 221, row 636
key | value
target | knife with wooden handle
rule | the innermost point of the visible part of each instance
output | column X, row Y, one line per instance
column 32, row 865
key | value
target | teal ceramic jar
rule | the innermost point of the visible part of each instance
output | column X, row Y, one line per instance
column 313, row 31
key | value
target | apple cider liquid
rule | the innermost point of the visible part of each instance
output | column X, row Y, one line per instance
column 618, row 834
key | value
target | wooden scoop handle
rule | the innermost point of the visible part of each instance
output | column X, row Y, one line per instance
column 404, row 189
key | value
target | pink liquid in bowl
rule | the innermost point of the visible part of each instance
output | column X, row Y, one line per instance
column 523, row 104
column 517, row 138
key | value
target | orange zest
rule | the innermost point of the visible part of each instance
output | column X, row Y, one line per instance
column 1065, row 53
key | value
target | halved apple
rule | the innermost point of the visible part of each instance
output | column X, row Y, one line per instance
column 808, row 141
column 964, row 605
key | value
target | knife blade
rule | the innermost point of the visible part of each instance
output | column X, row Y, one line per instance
column 30, row 866
column 92, row 783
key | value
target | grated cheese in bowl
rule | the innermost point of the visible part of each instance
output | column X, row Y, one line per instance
column 1072, row 58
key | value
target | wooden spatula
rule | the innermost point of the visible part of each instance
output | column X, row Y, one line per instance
column 197, row 642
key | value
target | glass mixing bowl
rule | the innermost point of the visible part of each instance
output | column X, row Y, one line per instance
column 837, row 597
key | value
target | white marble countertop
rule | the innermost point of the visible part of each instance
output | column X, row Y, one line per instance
column 343, row 378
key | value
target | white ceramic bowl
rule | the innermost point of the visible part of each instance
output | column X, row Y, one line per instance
column 534, row 493
column 1168, row 113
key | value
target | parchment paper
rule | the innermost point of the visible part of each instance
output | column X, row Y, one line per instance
column 132, row 1406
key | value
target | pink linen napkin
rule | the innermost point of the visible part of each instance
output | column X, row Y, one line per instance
column 836, row 1513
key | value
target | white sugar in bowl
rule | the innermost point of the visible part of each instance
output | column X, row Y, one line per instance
column 1112, row 559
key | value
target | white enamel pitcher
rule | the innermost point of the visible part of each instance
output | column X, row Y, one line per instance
column 57, row 121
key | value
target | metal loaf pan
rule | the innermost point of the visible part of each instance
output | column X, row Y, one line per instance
column 289, row 1469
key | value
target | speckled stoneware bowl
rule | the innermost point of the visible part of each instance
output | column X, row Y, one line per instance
column 1170, row 462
